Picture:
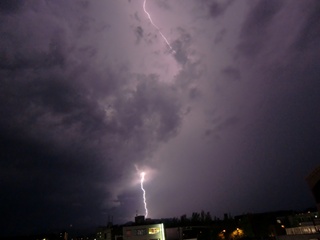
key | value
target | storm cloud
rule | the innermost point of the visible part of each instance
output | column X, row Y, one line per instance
column 90, row 95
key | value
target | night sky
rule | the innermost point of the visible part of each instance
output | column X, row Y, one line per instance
column 91, row 95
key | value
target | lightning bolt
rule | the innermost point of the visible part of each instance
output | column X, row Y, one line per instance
column 158, row 29
column 144, row 193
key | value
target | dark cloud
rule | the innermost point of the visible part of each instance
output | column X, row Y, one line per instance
column 180, row 54
column 56, row 126
column 308, row 37
column 181, row 46
column 10, row 6
column 231, row 73
column 254, row 31
column 220, row 125
column 260, row 16
column 216, row 9
column 194, row 93
column 35, row 59
column 139, row 33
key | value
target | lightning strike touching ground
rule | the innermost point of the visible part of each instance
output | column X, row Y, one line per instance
column 150, row 19
column 144, row 193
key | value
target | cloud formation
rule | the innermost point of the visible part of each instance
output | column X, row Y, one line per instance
column 90, row 93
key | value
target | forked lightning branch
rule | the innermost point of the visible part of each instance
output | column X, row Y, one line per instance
column 158, row 29
column 144, row 193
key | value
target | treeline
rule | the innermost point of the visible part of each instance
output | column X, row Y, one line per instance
column 197, row 218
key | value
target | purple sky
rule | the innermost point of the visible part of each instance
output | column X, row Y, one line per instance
column 89, row 92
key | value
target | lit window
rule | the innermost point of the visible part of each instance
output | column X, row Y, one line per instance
column 154, row 230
